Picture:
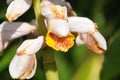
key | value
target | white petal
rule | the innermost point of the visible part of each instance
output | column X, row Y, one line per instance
column 61, row 12
column 17, row 8
column 45, row 11
column 100, row 39
column 6, row 43
column 31, row 46
column 33, row 70
column 81, row 24
column 35, row 45
column 50, row 10
column 59, row 27
column 79, row 40
column 18, row 65
column 3, row 44
column 10, row 31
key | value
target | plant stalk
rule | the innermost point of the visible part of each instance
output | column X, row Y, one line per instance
column 49, row 64
column 47, row 53
column 40, row 19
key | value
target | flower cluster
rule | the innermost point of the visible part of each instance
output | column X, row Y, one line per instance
column 61, row 25
column 61, row 22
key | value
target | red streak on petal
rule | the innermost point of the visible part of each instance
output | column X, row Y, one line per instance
column 61, row 42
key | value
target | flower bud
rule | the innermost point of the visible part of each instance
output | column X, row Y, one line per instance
column 17, row 8
column 100, row 39
column 10, row 31
column 30, row 46
column 23, row 66
column 95, row 42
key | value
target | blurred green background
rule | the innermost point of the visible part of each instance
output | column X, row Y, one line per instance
column 79, row 63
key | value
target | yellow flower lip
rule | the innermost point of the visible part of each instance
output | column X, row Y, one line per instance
column 60, row 43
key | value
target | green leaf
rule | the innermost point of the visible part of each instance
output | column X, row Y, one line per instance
column 39, row 74
column 63, row 66
column 8, row 55
column 111, row 67
column 77, row 54
column 90, row 68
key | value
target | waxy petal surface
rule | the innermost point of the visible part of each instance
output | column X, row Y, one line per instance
column 30, row 46
column 93, row 44
column 17, row 8
column 79, row 41
column 100, row 39
column 19, row 65
column 59, row 27
column 81, row 25
column 10, row 31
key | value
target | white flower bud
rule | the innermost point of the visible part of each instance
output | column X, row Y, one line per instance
column 17, row 8
column 95, row 42
column 31, row 46
column 10, row 31
column 81, row 25
column 23, row 66
column 100, row 39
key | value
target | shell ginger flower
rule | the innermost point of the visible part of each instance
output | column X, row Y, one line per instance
column 87, row 34
column 60, row 26
column 58, row 36
column 23, row 65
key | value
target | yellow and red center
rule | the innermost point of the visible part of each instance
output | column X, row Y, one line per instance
column 60, row 43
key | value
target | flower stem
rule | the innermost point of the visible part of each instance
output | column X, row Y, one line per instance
column 47, row 53
column 49, row 64
column 40, row 19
